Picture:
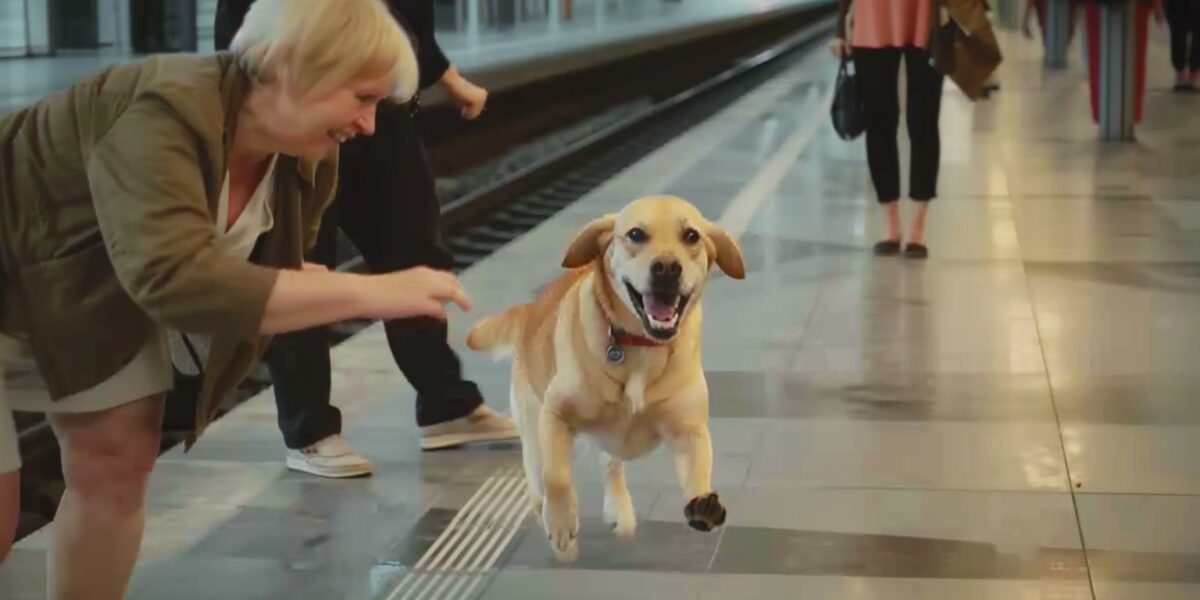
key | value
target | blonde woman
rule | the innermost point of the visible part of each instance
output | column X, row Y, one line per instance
column 178, row 194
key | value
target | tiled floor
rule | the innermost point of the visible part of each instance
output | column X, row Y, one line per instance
column 1012, row 419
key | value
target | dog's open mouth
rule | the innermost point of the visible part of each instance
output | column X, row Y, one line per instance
column 660, row 310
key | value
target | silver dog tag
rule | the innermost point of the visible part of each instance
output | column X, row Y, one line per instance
column 616, row 354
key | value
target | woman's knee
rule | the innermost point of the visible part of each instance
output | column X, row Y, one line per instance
column 882, row 116
column 925, row 136
column 108, row 455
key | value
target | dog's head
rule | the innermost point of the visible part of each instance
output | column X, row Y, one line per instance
column 657, row 254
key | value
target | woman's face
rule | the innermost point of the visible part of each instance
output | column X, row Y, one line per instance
column 313, row 127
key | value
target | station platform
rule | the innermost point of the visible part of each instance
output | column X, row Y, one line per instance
column 1012, row 418
column 497, row 56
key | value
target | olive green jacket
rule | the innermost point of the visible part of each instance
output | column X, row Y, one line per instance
column 108, row 197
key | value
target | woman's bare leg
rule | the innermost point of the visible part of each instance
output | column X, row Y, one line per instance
column 107, row 459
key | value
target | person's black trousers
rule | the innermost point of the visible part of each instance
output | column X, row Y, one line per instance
column 228, row 18
column 878, row 73
column 1183, row 17
column 388, row 208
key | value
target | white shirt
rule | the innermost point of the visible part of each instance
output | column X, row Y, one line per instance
column 236, row 241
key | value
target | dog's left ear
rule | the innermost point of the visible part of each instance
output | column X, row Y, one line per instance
column 590, row 242
column 728, row 254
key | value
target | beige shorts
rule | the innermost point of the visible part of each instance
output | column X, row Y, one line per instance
column 21, row 388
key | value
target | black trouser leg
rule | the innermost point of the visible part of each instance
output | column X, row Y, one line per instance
column 1194, row 59
column 1179, row 22
column 299, row 365
column 390, row 211
column 923, row 111
column 227, row 20
column 878, row 70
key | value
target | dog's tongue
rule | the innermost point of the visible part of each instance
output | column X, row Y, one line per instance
column 660, row 307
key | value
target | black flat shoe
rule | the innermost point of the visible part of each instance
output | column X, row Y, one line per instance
column 916, row 251
column 887, row 248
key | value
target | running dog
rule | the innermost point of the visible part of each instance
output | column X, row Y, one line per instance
column 611, row 350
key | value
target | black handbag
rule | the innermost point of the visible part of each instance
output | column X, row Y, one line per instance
column 847, row 109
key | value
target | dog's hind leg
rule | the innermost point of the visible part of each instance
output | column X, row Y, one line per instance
column 618, row 504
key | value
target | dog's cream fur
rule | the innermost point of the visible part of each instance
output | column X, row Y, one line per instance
column 563, row 385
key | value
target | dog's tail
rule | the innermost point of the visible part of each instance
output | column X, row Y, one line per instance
column 498, row 333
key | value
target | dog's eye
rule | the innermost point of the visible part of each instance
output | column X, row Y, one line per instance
column 637, row 235
column 691, row 236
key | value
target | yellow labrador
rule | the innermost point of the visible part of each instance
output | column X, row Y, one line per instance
column 611, row 350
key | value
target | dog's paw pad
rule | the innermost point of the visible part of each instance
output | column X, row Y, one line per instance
column 705, row 513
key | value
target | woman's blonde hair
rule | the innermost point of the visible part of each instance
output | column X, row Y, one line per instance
column 325, row 44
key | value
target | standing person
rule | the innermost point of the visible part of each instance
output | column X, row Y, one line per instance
column 884, row 32
column 1183, row 18
column 388, row 207
column 178, row 193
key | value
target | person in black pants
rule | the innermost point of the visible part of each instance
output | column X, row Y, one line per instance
column 387, row 206
column 878, row 74
column 877, row 51
column 1183, row 18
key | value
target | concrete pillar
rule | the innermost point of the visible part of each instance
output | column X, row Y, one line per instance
column 1117, row 69
column 1058, row 30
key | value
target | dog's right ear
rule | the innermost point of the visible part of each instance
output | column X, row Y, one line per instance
column 590, row 242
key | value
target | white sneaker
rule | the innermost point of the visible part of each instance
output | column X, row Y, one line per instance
column 482, row 425
column 330, row 457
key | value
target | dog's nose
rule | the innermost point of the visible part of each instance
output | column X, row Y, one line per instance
column 666, row 268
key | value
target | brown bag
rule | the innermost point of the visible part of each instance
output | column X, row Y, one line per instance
column 963, row 45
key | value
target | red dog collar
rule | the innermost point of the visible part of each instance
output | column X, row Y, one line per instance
column 622, row 338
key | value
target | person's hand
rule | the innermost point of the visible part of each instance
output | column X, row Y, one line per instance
column 416, row 292
column 308, row 267
column 839, row 48
column 470, row 97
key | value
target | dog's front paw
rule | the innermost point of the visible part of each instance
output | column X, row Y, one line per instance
column 562, row 528
column 705, row 513
column 619, row 514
